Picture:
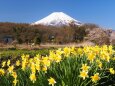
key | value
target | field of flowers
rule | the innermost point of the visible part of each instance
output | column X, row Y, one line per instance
column 69, row 66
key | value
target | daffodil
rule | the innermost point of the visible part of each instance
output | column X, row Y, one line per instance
column 80, row 51
column 110, row 48
column 3, row 64
column 38, row 67
column 46, row 62
column 37, row 64
column 17, row 63
column 95, row 78
column 99, row 63
column 67, row 51
column 33, row 69
column 8, row 62
column 2, row 72
column 14, row 74
column 33, row 77
column 44, row 69
column 10, row 69
column 15, row 82
column 59, row 51
column 51, row 81
column 85, row 67
column 112, row 71
column 91, row 57
column 58, row 58
column 24, row 64
column 83, row 74
column 73, row 50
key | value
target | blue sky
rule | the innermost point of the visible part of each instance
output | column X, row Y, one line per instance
column 101, row 12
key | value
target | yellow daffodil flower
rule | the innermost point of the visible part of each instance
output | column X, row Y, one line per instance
column 83, row 74
column 2, row 72
column 33, row 77
column 95, row 78
column 51, row 81
column 85, row 67
column 111, row 71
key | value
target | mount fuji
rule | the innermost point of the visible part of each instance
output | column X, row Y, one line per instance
column 57, row 19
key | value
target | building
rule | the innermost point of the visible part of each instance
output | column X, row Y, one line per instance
column 7, row 39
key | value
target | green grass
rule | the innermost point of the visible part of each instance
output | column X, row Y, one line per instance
column 13, row 54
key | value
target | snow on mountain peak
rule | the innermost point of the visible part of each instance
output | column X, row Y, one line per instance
column 57, row 19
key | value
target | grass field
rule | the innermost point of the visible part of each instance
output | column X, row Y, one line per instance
column 68, row 66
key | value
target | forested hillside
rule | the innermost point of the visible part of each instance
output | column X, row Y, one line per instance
column 26, row 33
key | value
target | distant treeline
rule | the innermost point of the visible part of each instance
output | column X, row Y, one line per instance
column 26, row 33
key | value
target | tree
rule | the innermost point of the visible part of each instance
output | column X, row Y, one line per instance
column 80, row 33
column 19, row 40
column 37, row 40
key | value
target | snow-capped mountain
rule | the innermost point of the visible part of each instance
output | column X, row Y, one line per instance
column 57, row 19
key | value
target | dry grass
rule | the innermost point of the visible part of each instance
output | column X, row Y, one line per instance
column 42, row 46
